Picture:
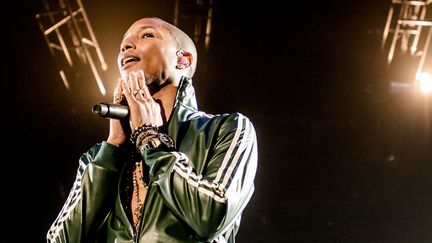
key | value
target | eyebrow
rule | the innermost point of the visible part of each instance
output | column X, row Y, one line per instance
column 140, row 29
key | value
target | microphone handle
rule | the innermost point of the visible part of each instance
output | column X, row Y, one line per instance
column 111, row 111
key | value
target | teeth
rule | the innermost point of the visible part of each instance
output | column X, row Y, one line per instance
column 128, row 59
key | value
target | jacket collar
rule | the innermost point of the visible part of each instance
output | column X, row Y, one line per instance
column 185, row 106
column 186, row 94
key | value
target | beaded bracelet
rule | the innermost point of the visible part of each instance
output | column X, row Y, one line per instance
column 143, row 136
column 142, row 129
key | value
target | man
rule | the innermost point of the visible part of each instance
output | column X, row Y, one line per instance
column 170, row 173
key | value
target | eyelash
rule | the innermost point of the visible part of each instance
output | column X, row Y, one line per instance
column 147, row 35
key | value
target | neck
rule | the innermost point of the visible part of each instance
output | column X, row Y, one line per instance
column 166, row 98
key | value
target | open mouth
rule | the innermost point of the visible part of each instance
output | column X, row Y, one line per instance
column 128, row 60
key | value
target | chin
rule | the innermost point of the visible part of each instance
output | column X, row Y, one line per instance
column 151, row 79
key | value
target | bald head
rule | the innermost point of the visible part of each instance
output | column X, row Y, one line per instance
column 182, row 41
column 164, row 52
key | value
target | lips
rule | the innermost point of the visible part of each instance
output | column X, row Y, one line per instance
column 127, row 60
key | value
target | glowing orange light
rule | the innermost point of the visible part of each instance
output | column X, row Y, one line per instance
column 425, row 82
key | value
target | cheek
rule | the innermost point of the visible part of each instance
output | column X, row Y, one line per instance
column 170, row 57
column 160, row 59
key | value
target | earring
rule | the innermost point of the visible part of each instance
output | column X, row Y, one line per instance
column 182, row 61
column 180, row 66
column 179, row 53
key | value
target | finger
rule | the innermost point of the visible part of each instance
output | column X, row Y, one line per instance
column 118, row 98
column 133, row 81
column 144, row 88
column 141, row 78
column 135, row 87
column 126, row 90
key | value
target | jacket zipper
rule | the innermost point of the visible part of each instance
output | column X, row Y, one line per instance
column 136, row 232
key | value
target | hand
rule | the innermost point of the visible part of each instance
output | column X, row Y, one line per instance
column 143, row 108
column 118, row 131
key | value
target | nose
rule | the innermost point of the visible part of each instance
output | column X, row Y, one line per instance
column 127, row 44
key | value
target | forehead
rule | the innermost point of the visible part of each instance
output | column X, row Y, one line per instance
column 146, row 23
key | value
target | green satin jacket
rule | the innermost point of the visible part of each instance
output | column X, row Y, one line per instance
column 197, row 192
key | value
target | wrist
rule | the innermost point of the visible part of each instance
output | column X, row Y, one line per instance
column 160, row 140
column 148, row 136
column 116, row 140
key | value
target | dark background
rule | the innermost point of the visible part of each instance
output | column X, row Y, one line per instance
column 341, row 158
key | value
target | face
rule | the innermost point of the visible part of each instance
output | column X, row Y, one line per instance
column 147, row 45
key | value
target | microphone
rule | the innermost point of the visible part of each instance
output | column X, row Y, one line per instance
column 111, row 111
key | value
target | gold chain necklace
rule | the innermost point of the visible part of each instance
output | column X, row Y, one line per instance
column 139, row 204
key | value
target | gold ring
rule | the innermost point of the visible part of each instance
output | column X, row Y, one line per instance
column 119, row 99
column 138, row 91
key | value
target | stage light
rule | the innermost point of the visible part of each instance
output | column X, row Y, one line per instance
column 424, row 81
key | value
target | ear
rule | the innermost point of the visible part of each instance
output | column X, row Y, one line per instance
column 184, row 59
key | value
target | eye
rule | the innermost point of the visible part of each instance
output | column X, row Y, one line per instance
column 147, row 35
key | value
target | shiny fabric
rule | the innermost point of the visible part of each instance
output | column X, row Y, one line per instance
column 197, row 192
